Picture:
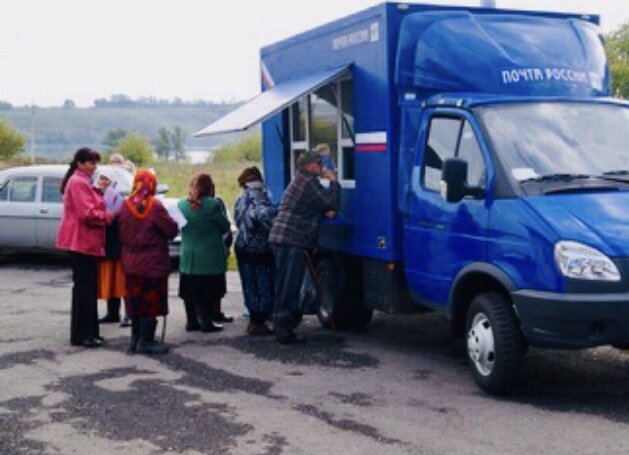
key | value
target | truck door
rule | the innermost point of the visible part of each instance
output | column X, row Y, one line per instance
column 441, row 237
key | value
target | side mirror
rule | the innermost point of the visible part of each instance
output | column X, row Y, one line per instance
column 454, row 185
column 162, row 188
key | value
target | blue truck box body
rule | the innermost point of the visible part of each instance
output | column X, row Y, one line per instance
column 368, row 225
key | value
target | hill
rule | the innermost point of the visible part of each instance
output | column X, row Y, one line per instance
column 58, row 132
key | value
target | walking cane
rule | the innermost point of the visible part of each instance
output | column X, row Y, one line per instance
column 164, row 329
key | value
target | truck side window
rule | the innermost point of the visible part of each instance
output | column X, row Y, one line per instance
column 442, row 140
column 469, row 150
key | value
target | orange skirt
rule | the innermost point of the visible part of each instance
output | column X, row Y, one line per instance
column 111, row 282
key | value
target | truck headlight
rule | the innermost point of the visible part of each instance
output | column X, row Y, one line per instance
column 576, row 260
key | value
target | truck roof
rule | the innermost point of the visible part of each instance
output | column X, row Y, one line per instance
column 471, row 100
column 410, row 7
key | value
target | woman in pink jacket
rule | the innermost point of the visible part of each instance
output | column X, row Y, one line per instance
column 82, row 233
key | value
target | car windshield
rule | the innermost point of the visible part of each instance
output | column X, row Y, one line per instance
column 539, row 140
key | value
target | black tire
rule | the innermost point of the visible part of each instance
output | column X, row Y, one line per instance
column 362, row 316
column 340, row 294
column 495, row 343
column 333, row 313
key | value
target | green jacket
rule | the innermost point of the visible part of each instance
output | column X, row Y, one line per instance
column 202, row 248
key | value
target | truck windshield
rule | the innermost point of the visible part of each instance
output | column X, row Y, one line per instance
column 538, row 140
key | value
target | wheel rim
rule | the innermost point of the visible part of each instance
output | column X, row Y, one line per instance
column 480, row 344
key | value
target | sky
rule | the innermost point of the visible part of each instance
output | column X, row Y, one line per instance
column 82, row 50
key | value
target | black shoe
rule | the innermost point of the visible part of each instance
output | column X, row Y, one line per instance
column 108, row 319
column 88, row 343
column 222, row 318
column 211, row 327
column 193, row 327
column 126, row 322
column 290, row 338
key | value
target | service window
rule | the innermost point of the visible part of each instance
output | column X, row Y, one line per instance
column 326, row 116
column 451, row 137
column 23, row 189
column 51, row 190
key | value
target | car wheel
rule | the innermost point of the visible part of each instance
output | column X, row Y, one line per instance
column 495, row 343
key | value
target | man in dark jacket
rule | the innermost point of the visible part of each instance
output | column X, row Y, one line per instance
column 295, row 231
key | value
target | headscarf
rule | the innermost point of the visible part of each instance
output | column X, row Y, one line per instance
column 201, row 187
column 140, row 200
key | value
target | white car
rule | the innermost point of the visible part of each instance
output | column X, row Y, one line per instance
column 31, row 205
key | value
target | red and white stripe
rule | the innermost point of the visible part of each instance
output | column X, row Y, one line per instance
column 375, row 141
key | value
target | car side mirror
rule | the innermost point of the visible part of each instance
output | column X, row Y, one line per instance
column 162, row 188
column 454, row 185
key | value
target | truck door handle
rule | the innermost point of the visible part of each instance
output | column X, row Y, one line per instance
column 43, row 210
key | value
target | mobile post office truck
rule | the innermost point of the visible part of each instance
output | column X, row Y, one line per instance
column 485, row 173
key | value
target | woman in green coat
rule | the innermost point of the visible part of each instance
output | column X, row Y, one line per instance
column 203, row 260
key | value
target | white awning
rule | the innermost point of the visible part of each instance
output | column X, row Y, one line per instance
column 270, row 102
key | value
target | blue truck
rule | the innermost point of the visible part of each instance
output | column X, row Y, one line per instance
column 484, row 167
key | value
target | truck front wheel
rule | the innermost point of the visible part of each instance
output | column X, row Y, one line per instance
column 495, row 343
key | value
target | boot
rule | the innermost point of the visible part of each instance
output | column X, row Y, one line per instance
column 113, row 311
column 205, row 319
column 147, row 343
column 135, row 335
column 192, row 323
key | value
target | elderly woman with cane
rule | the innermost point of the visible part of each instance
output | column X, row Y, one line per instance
column 145, row 229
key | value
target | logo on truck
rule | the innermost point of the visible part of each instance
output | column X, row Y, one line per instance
column 369, row 34
column 518, row 75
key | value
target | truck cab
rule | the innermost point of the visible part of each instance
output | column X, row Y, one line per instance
column 483, row 167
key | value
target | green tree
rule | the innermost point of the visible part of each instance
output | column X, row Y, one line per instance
column 617, row 46
column 12, row 142
column 69, row 104
column 178, row 141
column 113, row 137
column 136, row 148
column 163, row 147
column 171, row 144
column 4, row 106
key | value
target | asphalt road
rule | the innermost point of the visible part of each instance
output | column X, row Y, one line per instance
column 400, row 387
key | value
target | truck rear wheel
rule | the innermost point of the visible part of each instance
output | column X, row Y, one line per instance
column 340, row 297
column 495, row 343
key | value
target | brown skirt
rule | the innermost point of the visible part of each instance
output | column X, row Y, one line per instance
column 111, row 280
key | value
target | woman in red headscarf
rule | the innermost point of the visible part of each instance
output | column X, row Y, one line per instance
column 145, row 229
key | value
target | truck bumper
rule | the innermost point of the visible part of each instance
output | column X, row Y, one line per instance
column 572, row 321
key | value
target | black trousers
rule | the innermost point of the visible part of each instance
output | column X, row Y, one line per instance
column 84, row 316
column 290, row 266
